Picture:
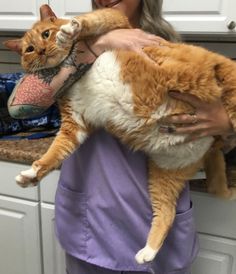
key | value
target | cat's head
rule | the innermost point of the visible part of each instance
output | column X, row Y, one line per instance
column 38, row 47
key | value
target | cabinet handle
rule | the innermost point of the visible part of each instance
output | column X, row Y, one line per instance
column 231, row 25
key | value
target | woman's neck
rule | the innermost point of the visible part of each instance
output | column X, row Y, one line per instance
column 135, row 20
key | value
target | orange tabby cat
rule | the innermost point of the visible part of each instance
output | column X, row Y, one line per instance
column 130, row 103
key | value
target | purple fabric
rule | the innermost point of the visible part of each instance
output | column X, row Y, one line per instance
column 103, row 211
column 77, row 266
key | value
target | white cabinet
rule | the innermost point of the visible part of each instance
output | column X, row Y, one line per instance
column 27, row 237
column 8, row 185
column 19, row 236
column 70, row 8
column 20, row 241
column 53, row 255
column 20, row 15
column 214, row 216
column 217, row 255
column 216, row 224
column 200, row 16
column 212, row 16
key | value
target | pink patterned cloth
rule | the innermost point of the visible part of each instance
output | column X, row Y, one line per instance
column 33, row 91
column 37, row 92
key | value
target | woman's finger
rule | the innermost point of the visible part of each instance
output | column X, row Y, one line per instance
column 191, row 129
column 188, row 98
column 190, row 118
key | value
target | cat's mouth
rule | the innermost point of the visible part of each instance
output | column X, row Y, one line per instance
column 113, row 3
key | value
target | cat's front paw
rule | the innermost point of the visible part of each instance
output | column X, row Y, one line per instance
column 27, row 178
column 147, row 254
column 68, row 33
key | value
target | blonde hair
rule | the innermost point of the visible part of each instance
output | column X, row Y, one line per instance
column 151, row 20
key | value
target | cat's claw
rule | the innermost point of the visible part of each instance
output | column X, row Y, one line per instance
column 27, row 178
column 145, row 255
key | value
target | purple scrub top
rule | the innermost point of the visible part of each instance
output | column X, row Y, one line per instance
column 103, row 211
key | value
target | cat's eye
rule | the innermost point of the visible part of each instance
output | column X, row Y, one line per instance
column 29, row 49
column 45, row 34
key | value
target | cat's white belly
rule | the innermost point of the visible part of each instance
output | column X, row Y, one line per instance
column 101, row 97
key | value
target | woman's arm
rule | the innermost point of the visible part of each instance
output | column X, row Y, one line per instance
column 208, row 120
column 130, row 39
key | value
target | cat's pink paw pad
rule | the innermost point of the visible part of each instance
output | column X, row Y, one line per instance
column 147, row 254
column 27, row 178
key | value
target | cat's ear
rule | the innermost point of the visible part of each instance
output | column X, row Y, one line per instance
column 15, row 45
column 46, row 13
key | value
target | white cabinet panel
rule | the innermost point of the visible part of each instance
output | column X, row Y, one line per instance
column 48, row 187
column 200, row 16
column 214, row 215
column 53, row 255
column 69, row 8
column 19, row 15
column 193, row 7
column 186, row 16
column 217, row 255
column 19, row 237
column 8, row 186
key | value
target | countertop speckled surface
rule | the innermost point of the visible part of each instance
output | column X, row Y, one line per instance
column 23, row 151
column 26, row 151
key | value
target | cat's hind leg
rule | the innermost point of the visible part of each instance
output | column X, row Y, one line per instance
column 70, row 136
column 216, row 177
column 165, row 187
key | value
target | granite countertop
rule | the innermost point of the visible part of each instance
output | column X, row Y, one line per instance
column 24, row 151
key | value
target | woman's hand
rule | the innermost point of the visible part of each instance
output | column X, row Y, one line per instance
column 127, row 39
column 207, row 120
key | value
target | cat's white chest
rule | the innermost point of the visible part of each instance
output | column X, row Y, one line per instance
column 101, row 97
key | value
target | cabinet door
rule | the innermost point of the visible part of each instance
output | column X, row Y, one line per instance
column 200, row 16
column 70, row 8
column 217, row 255
column 8, row 185
column 213, row 215
column 20, row 251
column 19, row 15
column 48, row 187
column 53, row 255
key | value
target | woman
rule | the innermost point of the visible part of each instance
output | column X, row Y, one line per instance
column 103, row 211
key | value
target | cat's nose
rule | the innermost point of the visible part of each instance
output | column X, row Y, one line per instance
column 42, row 51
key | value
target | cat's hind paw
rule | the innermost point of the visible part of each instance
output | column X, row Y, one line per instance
column 145, row 255
column 27, row 178
column 68, row 33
